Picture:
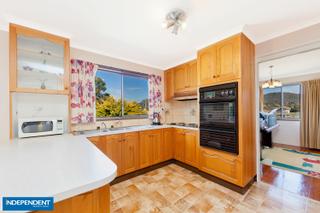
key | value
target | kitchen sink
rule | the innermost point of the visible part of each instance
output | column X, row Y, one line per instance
column 97, row 131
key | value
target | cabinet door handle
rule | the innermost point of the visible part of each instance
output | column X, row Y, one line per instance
column 214, row 76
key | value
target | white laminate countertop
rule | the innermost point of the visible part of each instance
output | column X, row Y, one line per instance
column 59, row 166
column 133, row 129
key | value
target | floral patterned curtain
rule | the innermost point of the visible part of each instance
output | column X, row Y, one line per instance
column 155, row 96
column 82, row 91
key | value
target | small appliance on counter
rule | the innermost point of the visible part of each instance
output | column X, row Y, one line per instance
column 156, row 118
column 33, row 127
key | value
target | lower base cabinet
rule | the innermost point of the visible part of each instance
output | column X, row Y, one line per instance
column 167, row 145
column 145, row 149
column 186, row 146
column 150, row 148
column 219, row 164
column 191, row 148
column 95, row 201
column 114, row 150
column 122, row 149
column 130, row 152
column 136, row 150
column 179, row 144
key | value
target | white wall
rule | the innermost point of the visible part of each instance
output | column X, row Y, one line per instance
column 288, row 133
column 288, row 42
column 4, row 86
column 26, row 105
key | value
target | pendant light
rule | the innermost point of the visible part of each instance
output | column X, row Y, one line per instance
column 271, row 83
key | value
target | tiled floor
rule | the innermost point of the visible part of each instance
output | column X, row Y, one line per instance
column 175, row 189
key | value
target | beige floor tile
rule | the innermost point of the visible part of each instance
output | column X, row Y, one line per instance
column 174, row 189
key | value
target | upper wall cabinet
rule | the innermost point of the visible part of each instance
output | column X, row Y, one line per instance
column 168, row 84
column 39, row 62
column 181, row 80
column 220, row 62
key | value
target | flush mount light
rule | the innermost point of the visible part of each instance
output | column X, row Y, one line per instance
column 175, row 20
column 271, row 83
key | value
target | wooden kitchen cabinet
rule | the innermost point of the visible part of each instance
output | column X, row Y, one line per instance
column 33, row 53
column 122, row 149
column 228, row 59
column 220, row 62
column 114, row 151
column 168, row 84
column 185, row 146
column 191, row 148
column 130, row 152
column 157, row 146
column 179, row 144
column 150, row 147
column 207, row 65
column 192, row 75
column 220, row 164
column 145, row 149
column 167, row 144
column 100, row 143
column 180, row 78
column 95, row 201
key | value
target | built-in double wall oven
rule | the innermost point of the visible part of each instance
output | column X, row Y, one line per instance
column 219, row 117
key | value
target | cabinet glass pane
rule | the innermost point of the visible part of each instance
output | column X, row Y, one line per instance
column 40, row 63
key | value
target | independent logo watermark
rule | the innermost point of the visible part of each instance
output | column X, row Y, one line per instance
column 27, row 203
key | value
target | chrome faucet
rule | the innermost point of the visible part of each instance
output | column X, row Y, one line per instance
column 104, row 124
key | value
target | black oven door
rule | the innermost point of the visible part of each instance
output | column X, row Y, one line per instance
column 219, row 139
column 218, row 115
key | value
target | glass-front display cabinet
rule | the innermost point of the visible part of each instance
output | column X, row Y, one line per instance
column 39, row 61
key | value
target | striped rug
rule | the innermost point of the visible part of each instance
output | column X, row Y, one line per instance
column 297, row 161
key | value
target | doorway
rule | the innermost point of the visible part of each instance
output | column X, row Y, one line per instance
column 285, row 161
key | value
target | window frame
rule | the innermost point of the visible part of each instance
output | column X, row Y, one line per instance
column 282, row 102
column 123, row 73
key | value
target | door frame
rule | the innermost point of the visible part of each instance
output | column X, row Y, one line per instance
column 268, row 57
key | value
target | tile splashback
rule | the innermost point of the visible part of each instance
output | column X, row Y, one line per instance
column 181, row 111
column 174, row 111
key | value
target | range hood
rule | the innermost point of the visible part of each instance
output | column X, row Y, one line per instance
column 185, row 96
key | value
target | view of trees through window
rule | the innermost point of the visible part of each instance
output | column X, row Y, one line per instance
column 121, row 95
column 286, row 99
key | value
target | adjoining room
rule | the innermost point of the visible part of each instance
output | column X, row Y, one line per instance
column 289, row 121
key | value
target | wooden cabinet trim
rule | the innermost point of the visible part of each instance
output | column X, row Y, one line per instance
column 14, row 31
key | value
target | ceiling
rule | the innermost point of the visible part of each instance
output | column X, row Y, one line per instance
column 131, row 30
column 301, row 64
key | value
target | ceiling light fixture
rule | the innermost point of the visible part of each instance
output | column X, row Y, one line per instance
column 175, row 20
column 271, row 83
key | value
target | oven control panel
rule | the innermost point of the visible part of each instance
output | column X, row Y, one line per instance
column 218, row 94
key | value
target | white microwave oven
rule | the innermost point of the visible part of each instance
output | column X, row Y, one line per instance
column 33, row 127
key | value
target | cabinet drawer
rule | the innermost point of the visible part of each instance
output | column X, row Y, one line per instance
column 224, row 166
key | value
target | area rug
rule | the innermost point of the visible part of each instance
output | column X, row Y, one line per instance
column 297, row 161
